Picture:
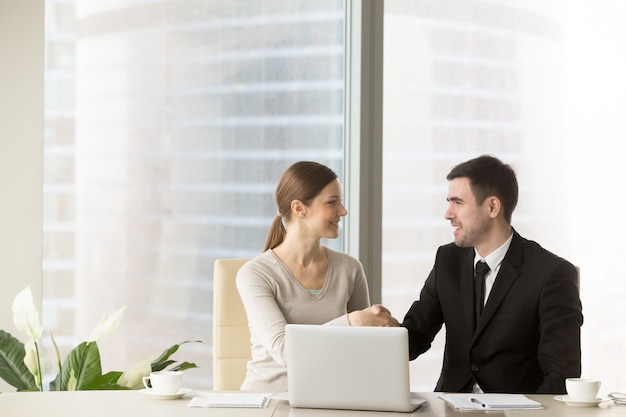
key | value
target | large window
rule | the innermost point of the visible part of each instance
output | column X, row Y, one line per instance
column 168, row 125
column 528, row 82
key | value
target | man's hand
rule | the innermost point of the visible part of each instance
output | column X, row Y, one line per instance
column 376, row 315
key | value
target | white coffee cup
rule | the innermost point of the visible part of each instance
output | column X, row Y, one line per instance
column 582, row 389
column 164, row 382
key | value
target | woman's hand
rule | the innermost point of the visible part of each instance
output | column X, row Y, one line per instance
column 376, row 315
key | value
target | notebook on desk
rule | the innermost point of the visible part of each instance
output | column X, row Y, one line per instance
column 351, row 368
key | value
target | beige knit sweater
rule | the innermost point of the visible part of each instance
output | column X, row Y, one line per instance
column 273, row 297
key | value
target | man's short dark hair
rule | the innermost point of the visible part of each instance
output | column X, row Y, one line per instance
column 489, row 176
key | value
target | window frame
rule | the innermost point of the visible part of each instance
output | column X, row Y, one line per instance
column 363, row 137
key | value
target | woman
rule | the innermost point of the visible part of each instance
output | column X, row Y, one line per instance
column 296, row 279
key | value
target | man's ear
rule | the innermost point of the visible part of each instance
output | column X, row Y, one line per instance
column 495, row 206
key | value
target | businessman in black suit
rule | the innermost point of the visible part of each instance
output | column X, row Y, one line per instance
column 526, row 339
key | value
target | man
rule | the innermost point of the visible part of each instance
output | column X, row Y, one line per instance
column 526, row 339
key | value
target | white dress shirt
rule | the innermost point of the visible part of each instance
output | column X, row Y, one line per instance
column 494, row 260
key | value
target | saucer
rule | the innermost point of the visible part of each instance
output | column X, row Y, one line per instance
column 150, row 392
column 567, row 400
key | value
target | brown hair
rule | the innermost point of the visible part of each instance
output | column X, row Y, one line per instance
column 302, row 181
column 490, row 176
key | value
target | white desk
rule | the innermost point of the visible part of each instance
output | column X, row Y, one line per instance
column 134, row 404
column 111, row 404
column 436, row 407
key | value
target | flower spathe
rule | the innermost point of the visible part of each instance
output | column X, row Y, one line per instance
column 25, row 315
column 33, row 361
column 26, row 319
column 133, row 377
column 107, row 325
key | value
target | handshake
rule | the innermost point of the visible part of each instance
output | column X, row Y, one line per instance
column 376, row 315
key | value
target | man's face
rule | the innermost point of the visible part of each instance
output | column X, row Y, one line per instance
column 470, row 221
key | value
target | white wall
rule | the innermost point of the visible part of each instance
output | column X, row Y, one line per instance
column 21, row 153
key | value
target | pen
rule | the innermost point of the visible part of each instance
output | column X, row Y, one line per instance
column 475, row 401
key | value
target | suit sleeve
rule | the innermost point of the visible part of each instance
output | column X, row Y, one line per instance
column 560, row 320
column 424, row 319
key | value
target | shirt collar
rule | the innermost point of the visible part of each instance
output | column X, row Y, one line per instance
column 495, row 258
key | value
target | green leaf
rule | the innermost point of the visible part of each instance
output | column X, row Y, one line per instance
column 159, row 366
column 166, row 354
column 112, row 377
column 107, row 381
column 184, row 365
column 81, row 368
column 162, row 361
column 12, row 368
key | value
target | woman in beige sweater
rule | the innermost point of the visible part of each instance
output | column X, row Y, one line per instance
column 296, row 279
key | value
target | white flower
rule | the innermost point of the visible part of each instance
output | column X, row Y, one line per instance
column 25, row 315
column 107, row 325
column 133, row 377
column 33, row 360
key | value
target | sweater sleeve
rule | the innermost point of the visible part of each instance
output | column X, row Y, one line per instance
column 265, row 319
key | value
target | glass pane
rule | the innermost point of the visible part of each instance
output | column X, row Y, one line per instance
column 168, row 124
column 464, row 78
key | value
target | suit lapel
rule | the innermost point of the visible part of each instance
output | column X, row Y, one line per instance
column 467, row 287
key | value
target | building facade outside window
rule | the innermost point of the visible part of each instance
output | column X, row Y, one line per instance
column 535, row 83
column 167, row 125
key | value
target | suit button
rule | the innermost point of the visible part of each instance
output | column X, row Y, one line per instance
column 474, row 368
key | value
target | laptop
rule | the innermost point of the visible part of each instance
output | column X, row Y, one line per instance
column 349, row 368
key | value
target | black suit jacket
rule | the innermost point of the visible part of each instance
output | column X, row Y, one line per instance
column 528, row 337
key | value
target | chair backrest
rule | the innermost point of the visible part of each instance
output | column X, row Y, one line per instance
column 231, row 335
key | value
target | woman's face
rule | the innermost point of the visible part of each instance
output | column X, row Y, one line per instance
column 326, row 210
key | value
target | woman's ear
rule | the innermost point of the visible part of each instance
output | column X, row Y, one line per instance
column 298, row 208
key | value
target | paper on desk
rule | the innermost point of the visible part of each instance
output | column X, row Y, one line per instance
column 230, row 400
column 467, row 402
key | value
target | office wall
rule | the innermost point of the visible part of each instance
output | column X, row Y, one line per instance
column 21, row 153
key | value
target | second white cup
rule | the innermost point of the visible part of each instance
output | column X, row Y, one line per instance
column 582, row 389
column 164, row 382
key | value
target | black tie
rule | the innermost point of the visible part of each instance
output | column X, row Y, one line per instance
column 479, row 289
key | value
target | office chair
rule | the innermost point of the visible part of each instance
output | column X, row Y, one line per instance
column 231, row 336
